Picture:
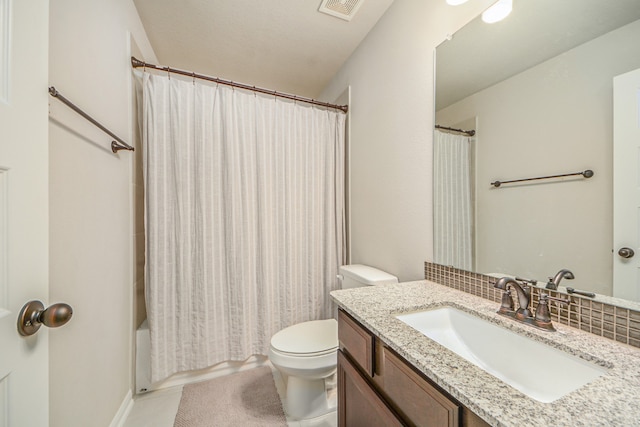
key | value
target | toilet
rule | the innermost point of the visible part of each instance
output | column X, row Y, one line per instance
column 307, row 353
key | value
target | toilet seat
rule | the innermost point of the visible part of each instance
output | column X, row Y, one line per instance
column 313, row 338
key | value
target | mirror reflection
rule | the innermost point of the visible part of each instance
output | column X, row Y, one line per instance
column 538, row 90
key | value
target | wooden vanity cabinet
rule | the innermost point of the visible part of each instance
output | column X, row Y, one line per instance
column 377, row 387
column 358, row 403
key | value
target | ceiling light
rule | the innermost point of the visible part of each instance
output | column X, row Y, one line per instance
column 498, row 11
column 456, row 2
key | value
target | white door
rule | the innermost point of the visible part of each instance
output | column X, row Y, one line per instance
column 24, row 386
column 626, row 186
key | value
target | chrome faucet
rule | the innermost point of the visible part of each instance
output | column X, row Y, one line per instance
column 542, row 317
column 555, row 281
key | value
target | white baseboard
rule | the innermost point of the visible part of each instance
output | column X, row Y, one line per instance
column 123, row 412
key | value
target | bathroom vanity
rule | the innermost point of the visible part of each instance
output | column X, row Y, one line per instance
column 376, row 386
column 391, row 374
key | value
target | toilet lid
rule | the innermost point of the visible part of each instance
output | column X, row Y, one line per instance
column 315, row 336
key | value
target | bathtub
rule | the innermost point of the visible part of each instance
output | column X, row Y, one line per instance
column 143, row 366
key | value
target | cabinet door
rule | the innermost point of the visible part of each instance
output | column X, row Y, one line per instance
column 356, row 341
column 358, row 404
column 415, row 398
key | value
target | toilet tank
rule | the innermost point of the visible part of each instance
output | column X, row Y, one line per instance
column 357, row 275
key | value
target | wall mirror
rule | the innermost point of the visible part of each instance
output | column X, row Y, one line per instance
column 537, row 89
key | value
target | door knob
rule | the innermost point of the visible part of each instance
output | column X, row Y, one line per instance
column 33, row 315
column 626, row 252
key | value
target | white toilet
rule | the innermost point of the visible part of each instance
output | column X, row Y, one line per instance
column 307, row 353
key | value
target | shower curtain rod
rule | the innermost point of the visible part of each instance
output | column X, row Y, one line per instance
column 136, row 63
column 468, row 132
column 116, row 145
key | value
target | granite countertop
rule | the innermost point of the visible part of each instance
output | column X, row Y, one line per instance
column 611, row 400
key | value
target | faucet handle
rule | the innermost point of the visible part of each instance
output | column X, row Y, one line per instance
column 542, row 310
column 507, row 302
column 542, row 317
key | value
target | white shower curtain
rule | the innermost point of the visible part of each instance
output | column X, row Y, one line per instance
column 244, row 219
column 452, row 204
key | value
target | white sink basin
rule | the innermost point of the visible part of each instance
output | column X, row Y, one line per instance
column 541, row 372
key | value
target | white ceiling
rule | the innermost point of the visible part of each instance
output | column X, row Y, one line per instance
column 481, row 55
column 283, row 45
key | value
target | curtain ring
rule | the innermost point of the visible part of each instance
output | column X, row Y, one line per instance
column 169, row 72
column 193, row 74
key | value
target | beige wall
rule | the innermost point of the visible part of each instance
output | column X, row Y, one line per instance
column 140, row 311
column 92, row 263
column 554, row 118
column 391, row 78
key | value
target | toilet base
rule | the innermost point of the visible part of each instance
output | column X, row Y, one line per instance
column 306, row 398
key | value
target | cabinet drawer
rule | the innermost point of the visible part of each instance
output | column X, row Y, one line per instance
column 416, row 399
column 359, row 405
column 356, row 341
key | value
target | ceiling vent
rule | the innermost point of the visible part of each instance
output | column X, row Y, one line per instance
column 343, row 9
